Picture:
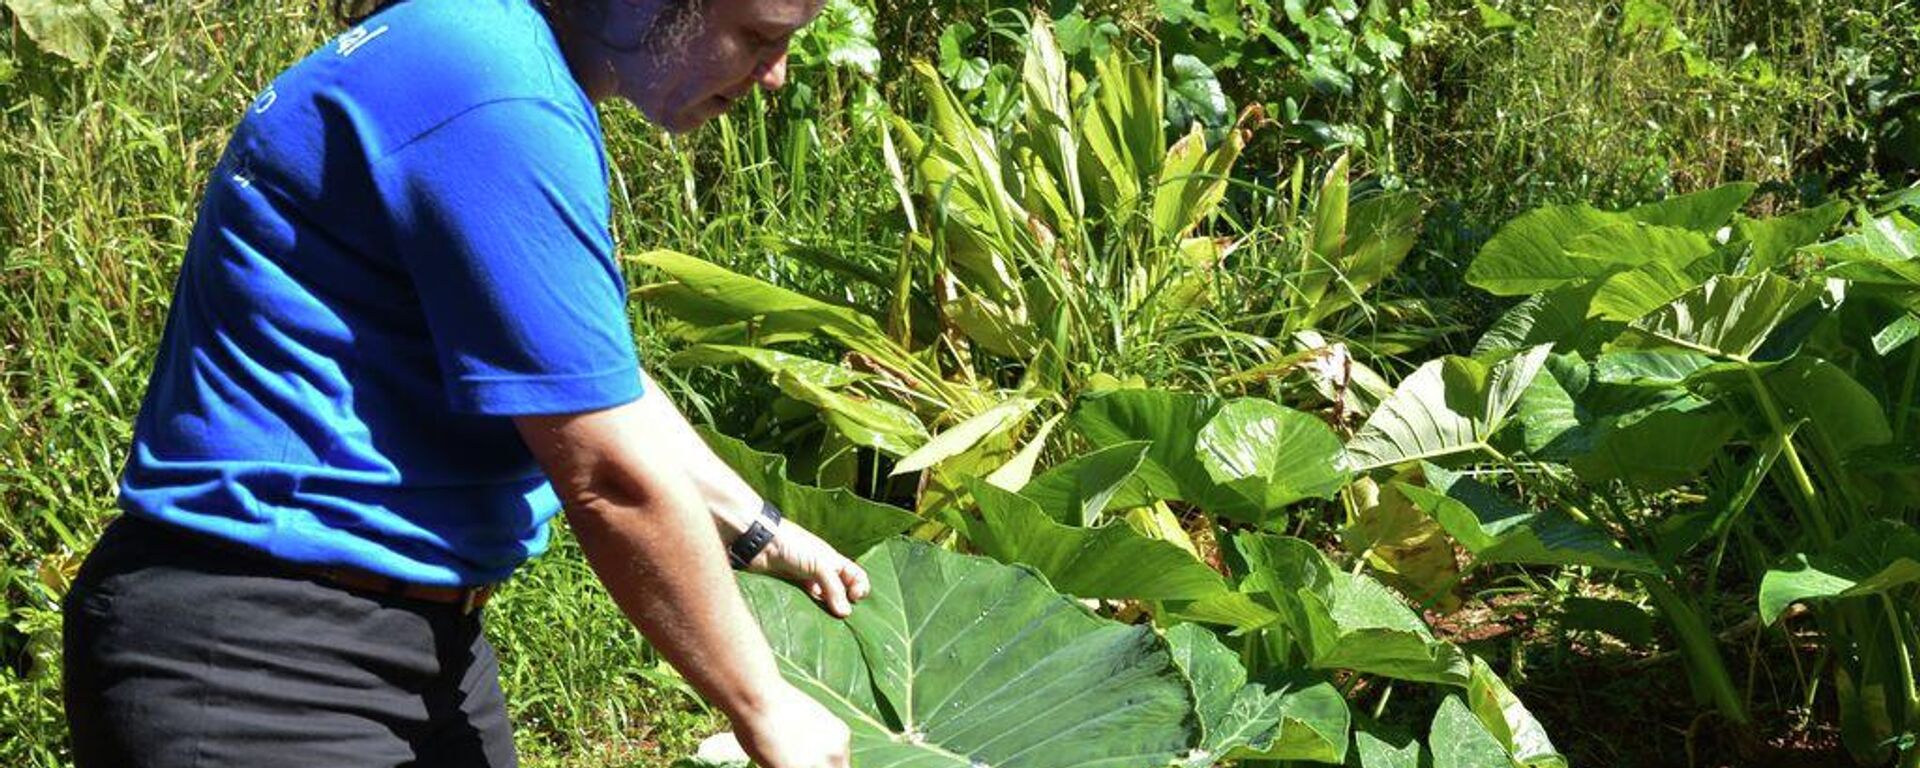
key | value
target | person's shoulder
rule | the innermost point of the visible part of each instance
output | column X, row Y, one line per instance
column 421, row 63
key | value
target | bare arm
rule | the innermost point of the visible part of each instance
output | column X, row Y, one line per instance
column 795, row 553
column 649, row 537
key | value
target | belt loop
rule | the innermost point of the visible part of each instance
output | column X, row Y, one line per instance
column 471, row 598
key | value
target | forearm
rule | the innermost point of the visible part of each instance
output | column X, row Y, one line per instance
column 661, row 563
column 733, row 504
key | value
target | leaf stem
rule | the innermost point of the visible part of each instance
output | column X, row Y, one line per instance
column 1904, row 409
column 1803, row 483
column 1700, row 648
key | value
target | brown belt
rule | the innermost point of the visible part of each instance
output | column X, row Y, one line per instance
column 469, row 599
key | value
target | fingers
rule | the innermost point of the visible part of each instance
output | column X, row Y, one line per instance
column 834, row 591
column 855, row 578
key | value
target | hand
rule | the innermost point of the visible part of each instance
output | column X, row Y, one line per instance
column 795, row 554
column 794, row 731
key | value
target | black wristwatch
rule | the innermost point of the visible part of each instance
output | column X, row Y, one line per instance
column 748, row 544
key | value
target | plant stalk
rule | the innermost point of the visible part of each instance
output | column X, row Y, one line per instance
column 1802, row 482
column 1701, row 649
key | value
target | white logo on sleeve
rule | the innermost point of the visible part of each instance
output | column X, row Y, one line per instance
column 265, row 100
column 357, row 37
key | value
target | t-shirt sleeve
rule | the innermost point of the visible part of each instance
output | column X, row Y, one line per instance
column 501, row 220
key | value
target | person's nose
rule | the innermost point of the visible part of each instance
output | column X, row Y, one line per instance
column 772, row 75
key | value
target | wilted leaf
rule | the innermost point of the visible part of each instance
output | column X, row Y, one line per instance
column 1404, row 545
column 75, row 30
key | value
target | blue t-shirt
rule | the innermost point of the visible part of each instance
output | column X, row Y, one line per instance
column 405, row 243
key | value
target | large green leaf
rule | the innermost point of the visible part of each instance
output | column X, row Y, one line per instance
column 1460, row 740
column 1547, row 419
column 1885, row 250
column 745, row 297
column 1270, row 454
column 1446, row 407
column 1842, row 411
column 956, row 689
column 1558, row 317
column 1243, row 458
column 1656, row 447
column 1108, row 561
column 1302, row 721
column 1076, row 491
column 1509, row 721
column 1876, row 557
column 1238, row 610
column 1703, row 211
column 1497, row 530
column 1730, row 317
column 1629, row 294
column 1631, row 244
column 1529, row 254
column 772, row 361
column 1772, row 240
column 1170, row 422
column 1381, row 748
column 876, row 424
column 839, row 516
column 1341, row 620
column 1626, row 417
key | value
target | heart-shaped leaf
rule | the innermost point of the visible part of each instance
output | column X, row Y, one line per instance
column 1446, row 407
column 926, row 675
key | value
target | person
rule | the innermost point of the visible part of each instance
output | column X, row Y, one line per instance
column 397, row 346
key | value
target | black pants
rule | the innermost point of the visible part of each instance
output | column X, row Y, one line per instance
column 182, row 652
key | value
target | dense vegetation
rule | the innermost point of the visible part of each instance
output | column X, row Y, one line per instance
column 1485, row 383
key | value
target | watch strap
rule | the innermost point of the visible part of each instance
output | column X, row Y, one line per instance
column 751, row 542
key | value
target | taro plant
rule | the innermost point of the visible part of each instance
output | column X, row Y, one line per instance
column 962, row 661
column 1678, row 347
